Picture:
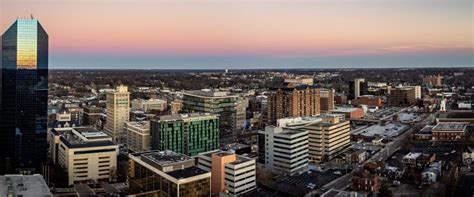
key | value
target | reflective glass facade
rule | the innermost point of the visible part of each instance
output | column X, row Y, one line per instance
column 24, row 94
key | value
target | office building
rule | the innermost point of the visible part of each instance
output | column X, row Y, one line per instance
column 63, row 119
column 326, row 100
column 356, row 88
column 328, row 137
column 166, row 173
column 230, row 173
column 404, row 95
column 149, row 105
column 118, row 112
column 138, row 136
column 214, row 102
column 299, row 81
column 85, row 153
column 241, row 112
column 18, row 185
column 285, row 150
column 23, row 97
column 293, row 102
column 189, row 134
column 91, row 116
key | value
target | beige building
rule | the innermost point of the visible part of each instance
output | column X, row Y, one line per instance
column 326, row 100
column 138, row 136
column 118, row 112
column 85, row 153
column 328, row 137
column 149, row 105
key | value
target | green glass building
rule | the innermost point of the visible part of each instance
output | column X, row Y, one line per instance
column 189, row 134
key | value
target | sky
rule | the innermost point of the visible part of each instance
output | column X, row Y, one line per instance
column 247, row 34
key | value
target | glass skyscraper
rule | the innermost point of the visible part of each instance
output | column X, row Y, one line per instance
column 24, row 96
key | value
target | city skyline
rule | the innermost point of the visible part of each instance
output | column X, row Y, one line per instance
column 186, row 34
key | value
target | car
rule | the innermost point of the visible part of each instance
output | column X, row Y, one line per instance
column 338, row 173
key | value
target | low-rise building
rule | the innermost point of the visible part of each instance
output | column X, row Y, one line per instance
column 450, row 131
column 18, row 185
column 166, row 173
column 432, row 173
column 149, row 105
column 231, row 173
column 365, row 181
column 138, row 136
column 353, row 156
column 368, row 100
column 468, row 156
column 349, row 112
column 85, row 153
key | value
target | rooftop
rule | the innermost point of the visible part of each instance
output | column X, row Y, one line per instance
column 162, row 158
column 187, row 116
column 412, row 155
column 24, row 185
column 345, row 109
column 208, row 93
column 81, row 137
column 387, row 131
column 187, row 172
column 139, row 124
column 450, row 126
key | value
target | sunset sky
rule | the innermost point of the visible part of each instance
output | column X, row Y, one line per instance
column 251, row 33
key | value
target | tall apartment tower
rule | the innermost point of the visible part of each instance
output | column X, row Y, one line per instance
column 215, row 102
column 118, row 112
column 327, row 100
column 296, row 101
column 328, row 137
column 23, row 97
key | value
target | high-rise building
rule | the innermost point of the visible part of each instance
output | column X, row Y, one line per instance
column 404, row 95
column 166, row 173
column 85, row 153
column 230, row 173
column 356, row 88
column 118, row 112
column 326, row 100
column 189, row 134
column 24, row 97
column 138, row 136
column 296, row 101
column 328, row 137
column 241, row 112
column 214, row 102
column 286, row 150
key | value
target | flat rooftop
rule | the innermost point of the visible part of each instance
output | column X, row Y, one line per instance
column 186, row 116
column 209, row 93
column 450, row 126
column 345, row 109
column 162, row 158
column 139, row 124
column 187, row 172
column 88, row 137
column 24, row 185
column 387, row 131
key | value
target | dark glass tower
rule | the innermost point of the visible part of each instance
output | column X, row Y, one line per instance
column 24, row 96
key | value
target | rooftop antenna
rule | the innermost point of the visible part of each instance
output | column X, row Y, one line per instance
column 32, row 17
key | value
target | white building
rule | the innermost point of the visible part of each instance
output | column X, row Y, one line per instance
column 148, row 105
column 286, row 150
column 138, row 136
column 118, row 112
column 85, row 153
column 231, row 173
